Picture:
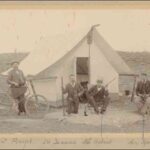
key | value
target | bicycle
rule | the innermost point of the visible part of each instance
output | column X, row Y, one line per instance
column 36, row 105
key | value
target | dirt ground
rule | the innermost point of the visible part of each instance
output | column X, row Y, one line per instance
column 11, row 123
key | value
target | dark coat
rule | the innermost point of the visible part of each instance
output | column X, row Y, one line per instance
column 19, row 78
column 16, row 76
column 143, row 87
column 101, row 94
column 73, row 92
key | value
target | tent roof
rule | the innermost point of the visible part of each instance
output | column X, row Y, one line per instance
column 112, row 56
column 51, row 49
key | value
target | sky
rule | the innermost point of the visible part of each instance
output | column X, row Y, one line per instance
column 124, row 30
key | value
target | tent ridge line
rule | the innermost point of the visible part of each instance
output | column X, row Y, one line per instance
column 111, row 62
column 104, row 54
column 74, row 47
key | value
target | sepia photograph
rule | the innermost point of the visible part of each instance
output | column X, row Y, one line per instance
column 75, row 69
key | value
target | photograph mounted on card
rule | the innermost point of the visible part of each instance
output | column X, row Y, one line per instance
column 74, row 74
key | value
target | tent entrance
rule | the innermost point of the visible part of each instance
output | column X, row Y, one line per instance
column 82, row 69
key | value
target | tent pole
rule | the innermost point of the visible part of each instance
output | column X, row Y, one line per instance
column 89, row 65
column 89, row 41
column 89, row 49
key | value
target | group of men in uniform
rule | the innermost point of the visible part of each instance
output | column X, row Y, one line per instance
column 96, row 96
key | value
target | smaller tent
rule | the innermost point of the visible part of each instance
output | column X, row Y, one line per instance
column 84, row 53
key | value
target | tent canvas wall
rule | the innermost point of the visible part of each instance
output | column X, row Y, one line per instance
column 57, row 57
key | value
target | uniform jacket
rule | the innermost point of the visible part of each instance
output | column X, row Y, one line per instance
column 73, row 91
column 98, row 94
column 16, row 76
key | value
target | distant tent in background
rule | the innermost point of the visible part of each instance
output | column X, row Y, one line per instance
column 66, row 54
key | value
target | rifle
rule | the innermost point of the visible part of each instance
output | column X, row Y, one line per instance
column 110, row 82
column 63, row 105
column 106, row 85
column 133, row 91
column 85, row 109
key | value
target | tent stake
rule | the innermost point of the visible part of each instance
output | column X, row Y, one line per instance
column 143, row 129
column 102, row 127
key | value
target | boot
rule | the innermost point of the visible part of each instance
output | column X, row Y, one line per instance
column 102, row 111
column 85, row 114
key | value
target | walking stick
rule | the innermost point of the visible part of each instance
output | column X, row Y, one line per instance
column 63, row 105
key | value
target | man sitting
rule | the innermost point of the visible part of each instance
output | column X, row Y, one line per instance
column 85, row 98
column 142, row 100
column 98, row 95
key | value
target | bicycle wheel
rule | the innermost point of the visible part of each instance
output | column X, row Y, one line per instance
column 36, row 106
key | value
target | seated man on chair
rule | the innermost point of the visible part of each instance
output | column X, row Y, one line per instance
column 142, row 100
column 98, row 95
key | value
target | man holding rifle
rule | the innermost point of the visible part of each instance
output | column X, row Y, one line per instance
column 98, row 94
column 74, row 90
column 143, row 94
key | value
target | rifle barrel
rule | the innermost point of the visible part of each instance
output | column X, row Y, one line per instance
column 110, row 81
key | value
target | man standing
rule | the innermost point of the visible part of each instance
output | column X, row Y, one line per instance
column 17, row 81
column 73, row 89
column 142, row 100
column 98, row 94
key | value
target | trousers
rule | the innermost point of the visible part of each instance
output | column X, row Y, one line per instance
column 72, row 105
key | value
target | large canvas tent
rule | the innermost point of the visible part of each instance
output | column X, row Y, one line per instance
column 84, row 53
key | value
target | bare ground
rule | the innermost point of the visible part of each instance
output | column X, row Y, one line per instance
column 11, row 123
